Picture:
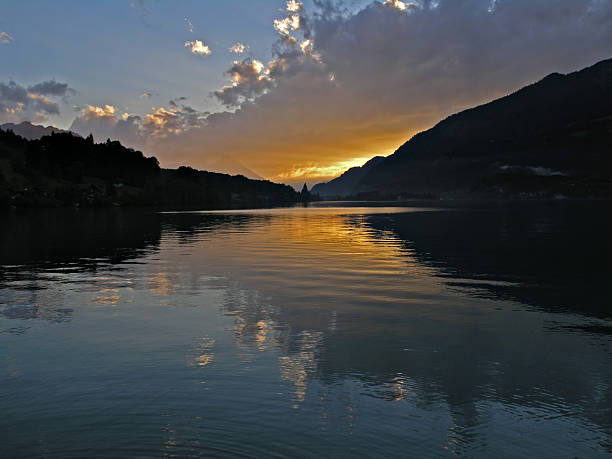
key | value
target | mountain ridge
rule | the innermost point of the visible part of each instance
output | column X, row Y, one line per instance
column 550, row 138
column 67, row 170
column 32, row 131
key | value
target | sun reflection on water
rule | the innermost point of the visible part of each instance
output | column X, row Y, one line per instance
column 316, row 323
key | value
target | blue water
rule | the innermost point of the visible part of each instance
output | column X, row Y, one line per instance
column 327, row 331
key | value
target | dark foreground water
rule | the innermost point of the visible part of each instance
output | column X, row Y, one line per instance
column 309, row 332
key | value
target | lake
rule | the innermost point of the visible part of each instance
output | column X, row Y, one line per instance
column 338, row 329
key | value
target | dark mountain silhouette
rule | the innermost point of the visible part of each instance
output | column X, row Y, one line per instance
column 345, row 184
column 31, row 131
column 232, row 166
column 191, row 188
column 63, row 169
column 552, row 137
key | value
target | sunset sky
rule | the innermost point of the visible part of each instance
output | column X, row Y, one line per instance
column 291, row 91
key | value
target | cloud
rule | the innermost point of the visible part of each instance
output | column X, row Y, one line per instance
column 294, row 6
column 34, row 103
column 399, row 4
column 190, row 25
column 249, row 80
column 105, row 122
column 5, row 38
column 140, row 132
column 353, row 84
column 93, row 112
column 287, row 25
column 238, row 48
column 306, row 46
column 198, row 47
column 52, row 88
column 344, row 86
column 174, row 119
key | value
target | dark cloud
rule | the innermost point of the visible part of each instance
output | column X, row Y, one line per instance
column 11, row 92
column 52, row 88
column 368, row 81
column 345, row 85
column 18, row 103
column 249, row 80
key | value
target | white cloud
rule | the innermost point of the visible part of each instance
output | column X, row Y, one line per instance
column 238, row 48
column 306, row 46
column 402, row 5
column 294, row 6
column 198, row 47
column 286, row 25
column 92, row 112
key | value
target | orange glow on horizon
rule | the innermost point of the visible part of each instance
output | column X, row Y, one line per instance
column 321, row 171
column 314, row 150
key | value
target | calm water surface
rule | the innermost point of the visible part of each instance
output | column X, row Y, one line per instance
column 309, row 332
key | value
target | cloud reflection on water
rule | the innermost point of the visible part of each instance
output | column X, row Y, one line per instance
column 351, row 305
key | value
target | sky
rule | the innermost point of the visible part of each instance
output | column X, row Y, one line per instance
column 282, row 89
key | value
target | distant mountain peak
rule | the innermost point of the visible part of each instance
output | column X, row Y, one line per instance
column 30, row 131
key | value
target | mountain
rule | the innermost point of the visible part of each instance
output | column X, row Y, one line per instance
column 31, row 131
column 63, row 169
column 232, row 166
column 344, row 185
column 553, row 137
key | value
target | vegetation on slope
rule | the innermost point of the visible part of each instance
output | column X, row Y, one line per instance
column 63, row 169
column 551, row 138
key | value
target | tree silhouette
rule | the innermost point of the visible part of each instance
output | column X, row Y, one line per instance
column 65, row 169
